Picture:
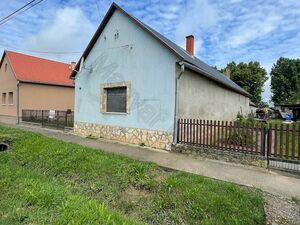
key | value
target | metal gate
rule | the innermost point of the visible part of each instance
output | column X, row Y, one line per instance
column 49, row 118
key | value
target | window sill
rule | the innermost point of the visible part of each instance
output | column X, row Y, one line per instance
column 115, row 113
column 10, row 104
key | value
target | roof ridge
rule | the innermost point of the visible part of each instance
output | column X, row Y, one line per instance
column 37, row 57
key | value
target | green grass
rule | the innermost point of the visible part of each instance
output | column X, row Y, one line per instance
column 46, row 181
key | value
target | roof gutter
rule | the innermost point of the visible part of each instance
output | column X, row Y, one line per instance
column 175, row 130
column 205, row 73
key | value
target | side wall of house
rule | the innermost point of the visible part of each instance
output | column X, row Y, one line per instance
column 8, row 83
column 124, row 53
column 37, row 96
column 201, row 98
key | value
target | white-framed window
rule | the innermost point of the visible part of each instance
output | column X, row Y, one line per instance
column 3, row 98
column 10, row 98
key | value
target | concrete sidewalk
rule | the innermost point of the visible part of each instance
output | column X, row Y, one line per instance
column 269, row 181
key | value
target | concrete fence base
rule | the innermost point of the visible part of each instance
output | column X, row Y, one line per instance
column 228, row 156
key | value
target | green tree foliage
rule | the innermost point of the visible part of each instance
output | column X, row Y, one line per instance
column 250, row 76
column 285, row 81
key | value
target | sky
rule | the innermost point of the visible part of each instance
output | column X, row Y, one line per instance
column 224, row 30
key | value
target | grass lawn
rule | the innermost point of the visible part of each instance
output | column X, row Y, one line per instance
column 46, row 181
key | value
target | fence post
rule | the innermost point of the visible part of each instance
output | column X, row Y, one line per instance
column 57, row 121
column 263, row 141
column 66, row 121
column 177, row 138
column 42, row 118
column 270, row 130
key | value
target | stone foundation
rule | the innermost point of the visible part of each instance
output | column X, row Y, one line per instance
column 227, row 156
column 154, row 139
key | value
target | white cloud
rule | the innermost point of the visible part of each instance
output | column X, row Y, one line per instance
column 70, row 30
column 252, row 30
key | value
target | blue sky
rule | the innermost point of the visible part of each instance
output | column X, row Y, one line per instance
column 225, row 31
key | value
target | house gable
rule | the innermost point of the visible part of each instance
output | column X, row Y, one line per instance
column 190, row 61
column 124, row 52
column 8, row 84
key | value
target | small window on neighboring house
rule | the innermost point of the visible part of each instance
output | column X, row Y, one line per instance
column 116, row 99
column 10, row 98
column 3, row 98
column 5, row 67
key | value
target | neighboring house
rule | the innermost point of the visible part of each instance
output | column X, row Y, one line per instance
column 132, row 84
column 28, row 82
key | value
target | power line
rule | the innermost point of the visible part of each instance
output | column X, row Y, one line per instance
column 19, row 11
column 43, row 52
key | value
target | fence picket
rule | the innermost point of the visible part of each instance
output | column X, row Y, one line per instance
column 225, row 137
column 299, row 142
column 207, row 133
column 275, row 141
column 256, row 138
column 287, row 141
column 269, row 148
column 211, row 133
column 215, row 134
column 281, row 141
column 293, row 141
column 229, row 137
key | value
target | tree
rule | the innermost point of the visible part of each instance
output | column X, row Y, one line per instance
column 285, row 81
column 250, row 76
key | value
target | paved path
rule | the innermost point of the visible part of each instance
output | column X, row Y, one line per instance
column 269, row 181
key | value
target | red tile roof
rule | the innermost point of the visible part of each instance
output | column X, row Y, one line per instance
column 38, row 70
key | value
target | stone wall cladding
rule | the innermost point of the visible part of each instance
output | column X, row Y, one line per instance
column 150, row 138
column 235, row 157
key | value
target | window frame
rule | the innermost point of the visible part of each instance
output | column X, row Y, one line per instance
column 103, row 96
column 4, row 97
column 11, row 93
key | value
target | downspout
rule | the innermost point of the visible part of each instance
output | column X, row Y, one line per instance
column 177, row 101
column 18, row 102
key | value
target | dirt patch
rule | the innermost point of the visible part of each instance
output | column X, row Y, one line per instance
column 281, row 211
column 134, row 194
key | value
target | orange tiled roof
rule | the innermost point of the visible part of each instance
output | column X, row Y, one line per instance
column 38, row 70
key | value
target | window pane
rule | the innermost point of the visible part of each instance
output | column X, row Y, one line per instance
column 3, row 98
column 10, row 98
column 116, row 99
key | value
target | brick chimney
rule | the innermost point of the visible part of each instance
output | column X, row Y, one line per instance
column 228, row 73
column 190, row 44
column 72, row 65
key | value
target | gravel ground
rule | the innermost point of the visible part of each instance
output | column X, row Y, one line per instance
column 282, row 211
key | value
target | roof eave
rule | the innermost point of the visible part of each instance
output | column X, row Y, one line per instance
column 46, row 83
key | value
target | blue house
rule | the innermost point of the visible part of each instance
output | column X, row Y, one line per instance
column 132, row 84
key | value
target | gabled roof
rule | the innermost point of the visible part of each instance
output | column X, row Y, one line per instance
column 33, row 69
column 192, row 62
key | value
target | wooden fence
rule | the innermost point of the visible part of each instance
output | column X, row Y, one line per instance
column 267, row 140
column 284, row 141
column 49, row 118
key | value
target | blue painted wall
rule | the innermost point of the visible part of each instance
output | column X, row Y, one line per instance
column 134, row 56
